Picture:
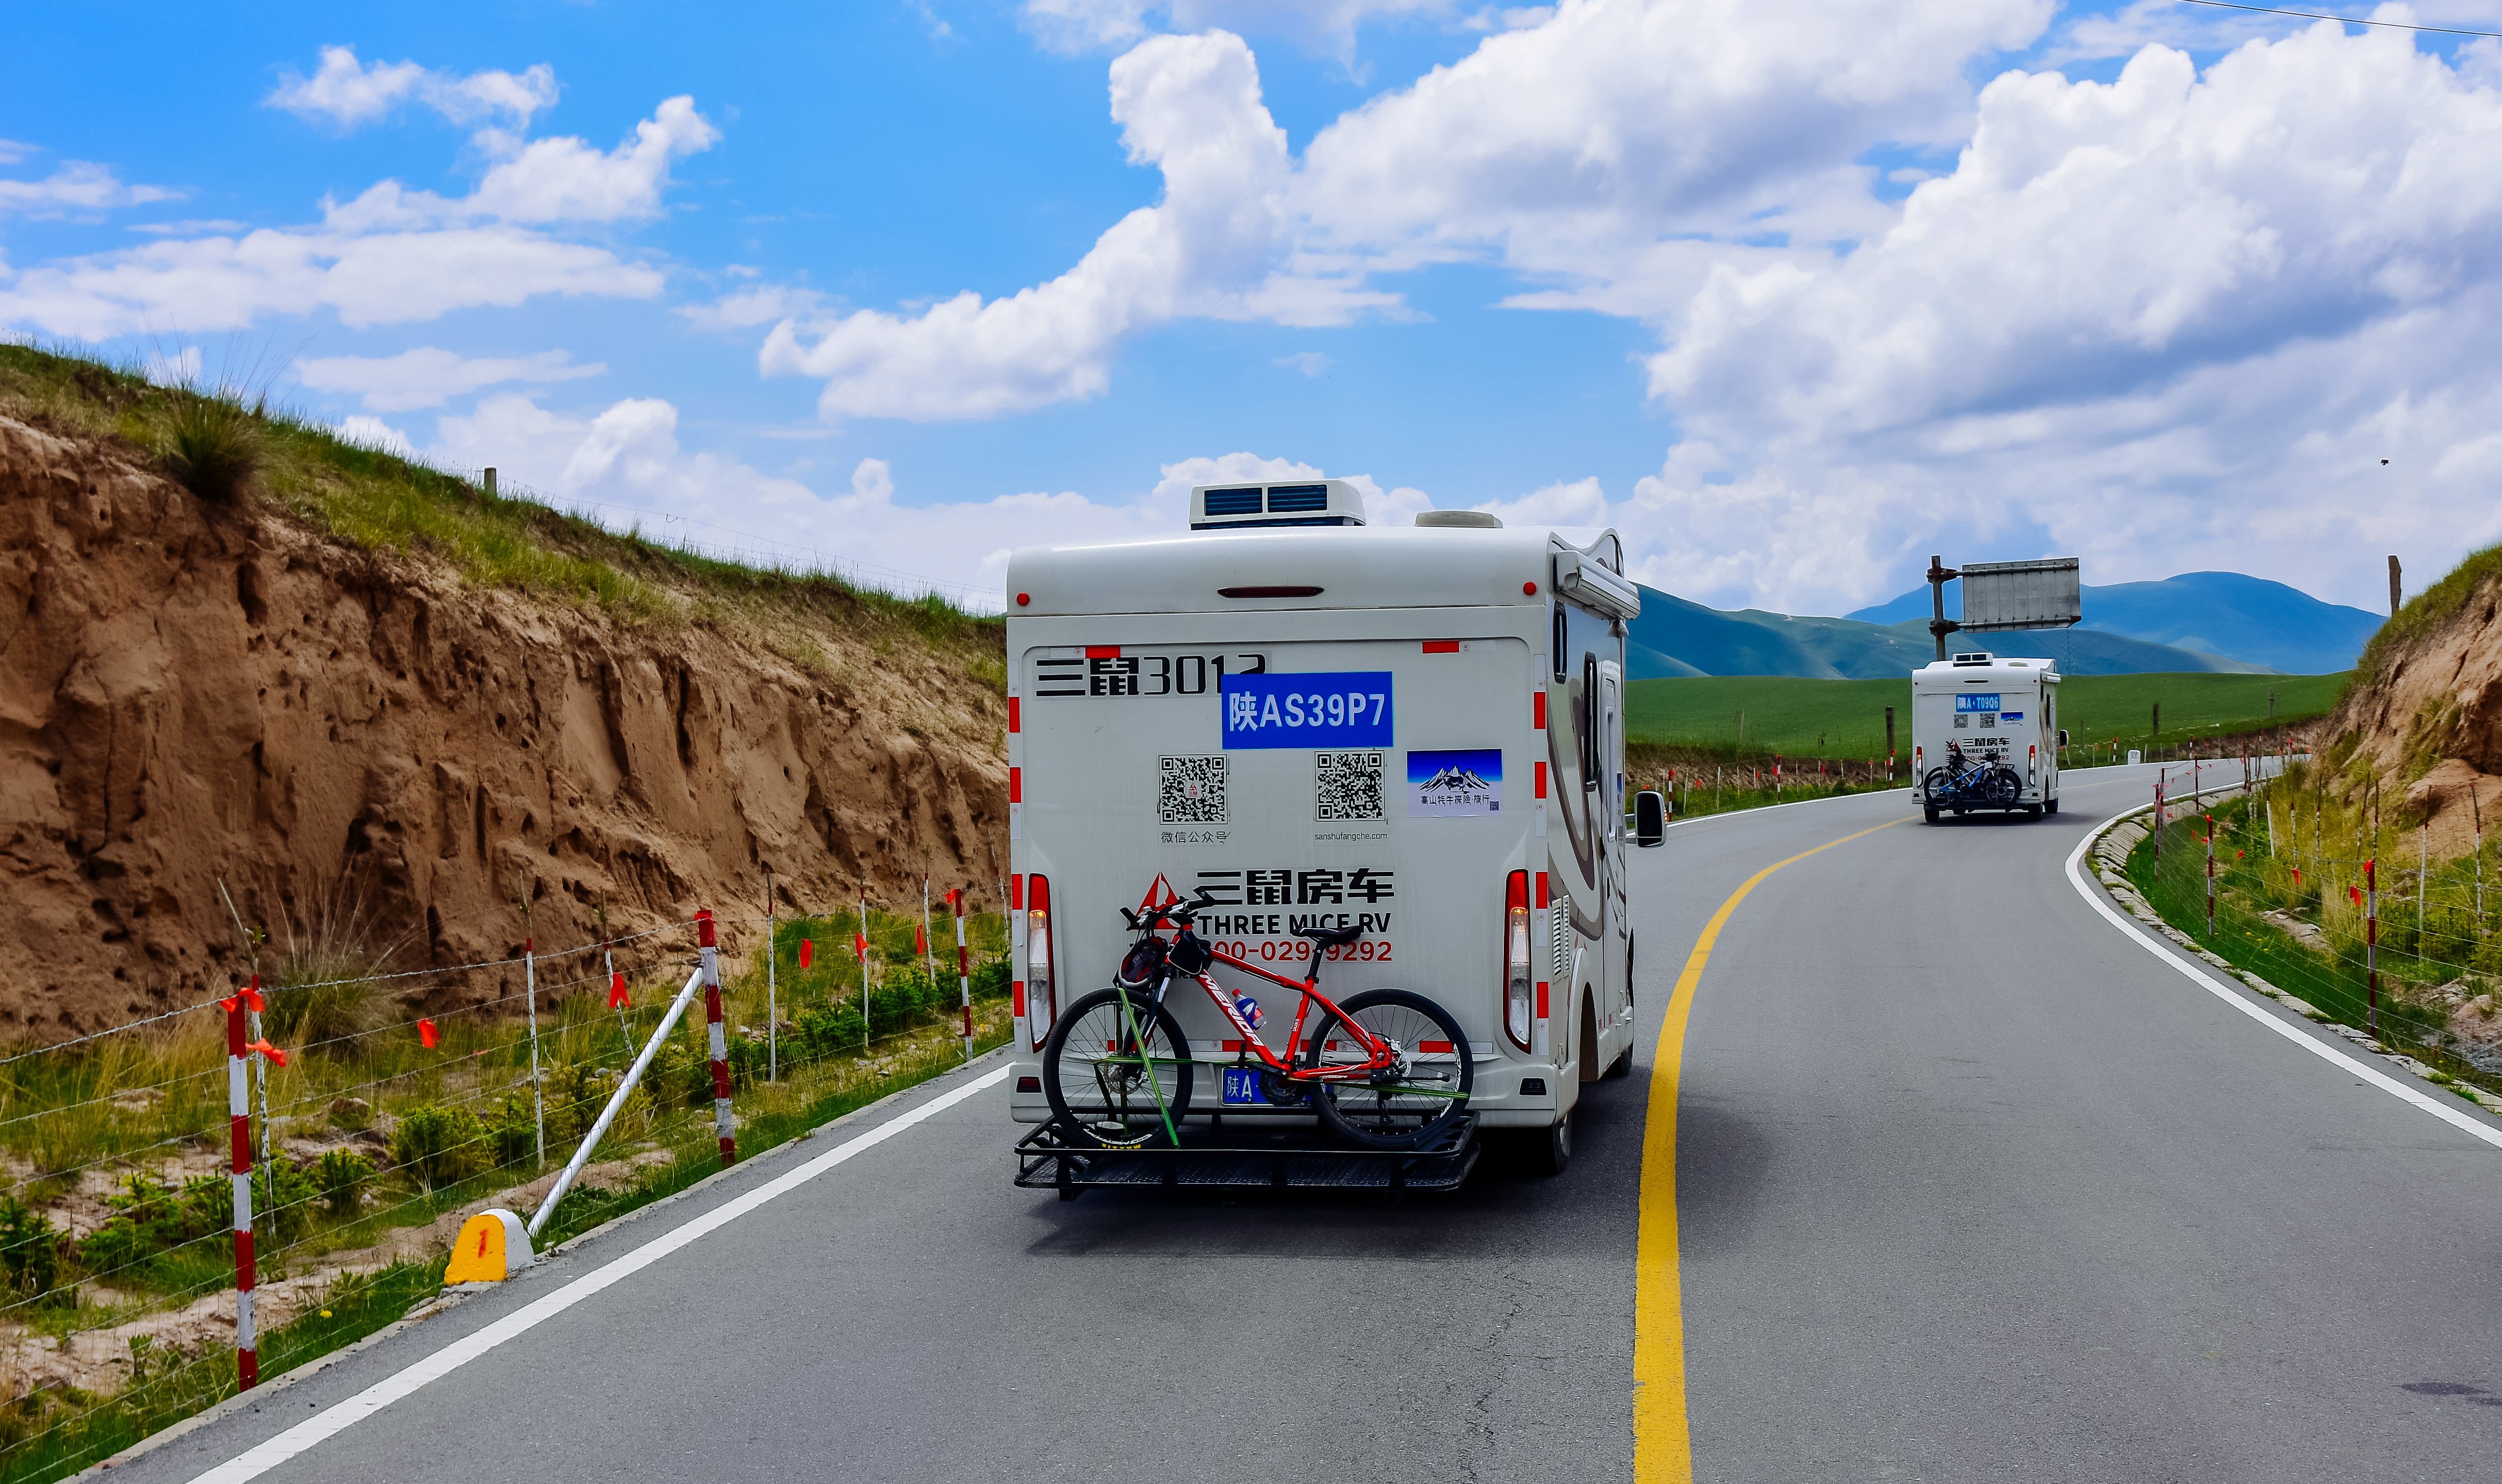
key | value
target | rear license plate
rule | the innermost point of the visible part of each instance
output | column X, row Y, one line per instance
column 1242, row 1084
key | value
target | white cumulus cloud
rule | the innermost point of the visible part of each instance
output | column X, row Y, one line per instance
column 389, row 256
column 2167, row 321
column 626, row 467
column 228, row 283
column 75, row 189
column 1214, row 246
column 346, row 94
column 548, row 180
column 1607, row 148
column 429, row 377
column 2174, row 319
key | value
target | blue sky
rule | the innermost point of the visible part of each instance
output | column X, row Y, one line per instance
column 1793, row 293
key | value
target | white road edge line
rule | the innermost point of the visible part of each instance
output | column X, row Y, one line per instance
column 262, row 1458
column 2243, row 1000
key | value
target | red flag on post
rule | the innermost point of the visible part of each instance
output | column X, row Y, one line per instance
column 615, row 989
column 860, row 945
column 425, row 1036
column 919, row 937
column 807, row 953
column 2356, row 894
column 266, row 1049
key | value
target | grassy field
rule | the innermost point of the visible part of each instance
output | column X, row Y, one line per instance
column 1845, row 719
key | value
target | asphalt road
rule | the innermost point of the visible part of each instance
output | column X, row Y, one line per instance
column 1970, row 1186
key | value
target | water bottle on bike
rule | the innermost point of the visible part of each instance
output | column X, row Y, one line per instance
column 1249, row 1009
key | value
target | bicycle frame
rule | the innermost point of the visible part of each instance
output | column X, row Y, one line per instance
column 1377, row 1053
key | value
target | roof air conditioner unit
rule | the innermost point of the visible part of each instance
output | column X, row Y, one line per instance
column 1304, row 502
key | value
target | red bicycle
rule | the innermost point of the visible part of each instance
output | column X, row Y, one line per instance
column 1386, row 1070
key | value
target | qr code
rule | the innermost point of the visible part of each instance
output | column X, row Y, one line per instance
column 1190, row 790
column 1347, row 785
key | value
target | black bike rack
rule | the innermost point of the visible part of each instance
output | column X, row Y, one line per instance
column 1220, row 1157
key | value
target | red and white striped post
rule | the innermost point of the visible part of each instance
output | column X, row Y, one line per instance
column 964, row 967
column 2211, row 878
column 718, row 1038
column 2372, row 942
column 239, row 1123
column 860, row 945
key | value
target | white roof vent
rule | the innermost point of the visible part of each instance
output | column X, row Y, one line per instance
column 1460, row 519
column 1976, row 656
column 1304, row 502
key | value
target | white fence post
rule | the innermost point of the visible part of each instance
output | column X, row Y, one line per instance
column 538, row 1096
column 773, row 1003
column 616, row 1100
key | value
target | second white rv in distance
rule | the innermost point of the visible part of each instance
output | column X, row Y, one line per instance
column 1985, row 736
column 1478, row 788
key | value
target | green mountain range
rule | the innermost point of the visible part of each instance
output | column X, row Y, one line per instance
column 2199, row 621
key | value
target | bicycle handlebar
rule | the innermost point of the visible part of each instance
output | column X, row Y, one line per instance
column 1176, row 914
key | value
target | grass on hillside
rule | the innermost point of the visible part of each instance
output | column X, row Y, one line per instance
column 226, row 443
column 2295, row 856
column 2430, row 609
column 1845, row 719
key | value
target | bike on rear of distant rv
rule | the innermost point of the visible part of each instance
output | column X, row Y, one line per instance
column 1964, row 783
column 1385, row 1069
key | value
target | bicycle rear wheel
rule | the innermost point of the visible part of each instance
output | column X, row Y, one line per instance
column 1117, row 1071
column 1406, row 1108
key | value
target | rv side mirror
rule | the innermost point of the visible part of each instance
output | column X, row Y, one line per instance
column 1650, row 819
column 2063, row 736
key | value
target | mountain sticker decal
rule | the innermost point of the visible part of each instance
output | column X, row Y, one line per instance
column 1455, row 784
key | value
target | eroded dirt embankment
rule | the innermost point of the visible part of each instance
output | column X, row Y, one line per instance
column 189, row 693
column 2426, row 718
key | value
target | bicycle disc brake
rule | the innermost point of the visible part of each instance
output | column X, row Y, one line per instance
column 1283, row 1091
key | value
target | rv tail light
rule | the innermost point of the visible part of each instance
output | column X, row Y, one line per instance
column 2032, row 760
column 1516, row 1008
column 1040, row 1003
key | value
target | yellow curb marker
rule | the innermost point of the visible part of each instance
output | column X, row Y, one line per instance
column 491, row 1247
column 1663, row 1448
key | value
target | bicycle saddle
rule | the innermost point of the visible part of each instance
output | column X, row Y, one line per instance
column 1330, row 937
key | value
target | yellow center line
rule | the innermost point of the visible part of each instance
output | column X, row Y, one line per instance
column 1663, row 1448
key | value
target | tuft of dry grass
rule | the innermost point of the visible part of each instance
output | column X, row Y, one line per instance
column 211, row 444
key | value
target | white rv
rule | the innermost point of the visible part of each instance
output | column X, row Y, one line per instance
column 1419, row 731
column 2001, row 715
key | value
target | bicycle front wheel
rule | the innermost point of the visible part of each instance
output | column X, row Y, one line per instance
column 1117, row 1071
column 1406, row 1106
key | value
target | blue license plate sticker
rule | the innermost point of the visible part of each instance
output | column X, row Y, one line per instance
column 1242, row 1084
column 1349, row 708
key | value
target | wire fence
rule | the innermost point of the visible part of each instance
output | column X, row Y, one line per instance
column 374, row 1119
column 2291, row 883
